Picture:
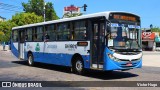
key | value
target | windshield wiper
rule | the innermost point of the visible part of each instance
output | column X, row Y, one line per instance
column 138, row 44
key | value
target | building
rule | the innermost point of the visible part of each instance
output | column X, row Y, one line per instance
column 71, row 10
column 150, row 40
column 2, row 19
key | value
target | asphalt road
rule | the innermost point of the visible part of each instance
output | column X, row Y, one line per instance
column 12, row 69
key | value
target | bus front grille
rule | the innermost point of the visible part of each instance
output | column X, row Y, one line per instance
column 129, row 60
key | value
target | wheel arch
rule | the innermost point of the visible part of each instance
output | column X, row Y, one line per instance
column 29, row 52
column 74, row 56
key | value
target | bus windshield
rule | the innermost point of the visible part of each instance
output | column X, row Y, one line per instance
column 125, row 36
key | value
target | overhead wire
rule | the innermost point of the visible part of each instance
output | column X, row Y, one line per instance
column 11, row 8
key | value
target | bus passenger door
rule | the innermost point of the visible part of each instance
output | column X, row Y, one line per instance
column 97, row 44
column 21, row 44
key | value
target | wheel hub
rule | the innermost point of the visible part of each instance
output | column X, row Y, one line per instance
column 79, row 65
column 30, row 60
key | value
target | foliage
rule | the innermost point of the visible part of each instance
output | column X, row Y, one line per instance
column 18, row 19
column 37, row 6
column 155, row 29
column 33, row 14
column 5, row 30
column 1, row 36
column 26, row 18
column 50, row 12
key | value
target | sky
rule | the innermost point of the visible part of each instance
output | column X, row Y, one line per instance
column 148, row 10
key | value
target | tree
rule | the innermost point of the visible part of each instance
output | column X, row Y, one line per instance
column 50, row 12
column 5, row 30
column 26, row 18
column 18, row 19
column 155, row 29
column 1, row 36
column 37, row 6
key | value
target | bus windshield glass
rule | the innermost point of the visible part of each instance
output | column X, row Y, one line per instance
column 124, row 36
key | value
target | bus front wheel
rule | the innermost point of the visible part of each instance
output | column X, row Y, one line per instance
column 78, row 66
column 30, row 60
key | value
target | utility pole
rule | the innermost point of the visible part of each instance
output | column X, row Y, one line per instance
column 44, row 12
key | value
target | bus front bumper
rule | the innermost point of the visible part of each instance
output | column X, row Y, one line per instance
column 122, row 65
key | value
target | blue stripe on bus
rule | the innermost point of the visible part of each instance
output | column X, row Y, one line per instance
column 14, row 50
column 58, row 59
column 52, row 58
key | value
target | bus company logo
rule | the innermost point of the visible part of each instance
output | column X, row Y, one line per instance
column 52, row 46
column 37, row 47
column 29, row 46
column 71, row 47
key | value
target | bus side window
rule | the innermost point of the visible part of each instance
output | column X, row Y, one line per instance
column 35, row 37
column 51, row 32
column 63, row 31
column 72, row 35
column 72, row 30
column 15, row 36
column 80, row 28
column 67, row 32
column 26, row 37
column 46, row 37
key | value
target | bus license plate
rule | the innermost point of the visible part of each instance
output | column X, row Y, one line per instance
column 129, row 64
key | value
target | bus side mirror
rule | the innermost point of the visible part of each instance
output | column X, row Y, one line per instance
column 108, row 25
column 108, row 29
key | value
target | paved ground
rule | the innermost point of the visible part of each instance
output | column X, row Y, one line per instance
column 6, row 47
column 151, row 58
column 16, row 70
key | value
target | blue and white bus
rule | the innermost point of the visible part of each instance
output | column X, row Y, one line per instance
column 103, row 41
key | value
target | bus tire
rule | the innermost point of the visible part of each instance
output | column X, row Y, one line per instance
column 30, row 60
column 110, row 71
column 78, row 66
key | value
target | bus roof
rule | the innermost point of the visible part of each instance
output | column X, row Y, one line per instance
column 105, row 14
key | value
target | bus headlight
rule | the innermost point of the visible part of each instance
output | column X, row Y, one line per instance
column 113, row 58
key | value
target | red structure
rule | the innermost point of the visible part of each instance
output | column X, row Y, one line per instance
column 148, row 36
column 148, row 40
column 71, row 8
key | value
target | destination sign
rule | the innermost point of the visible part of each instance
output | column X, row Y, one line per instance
column 125, row 17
